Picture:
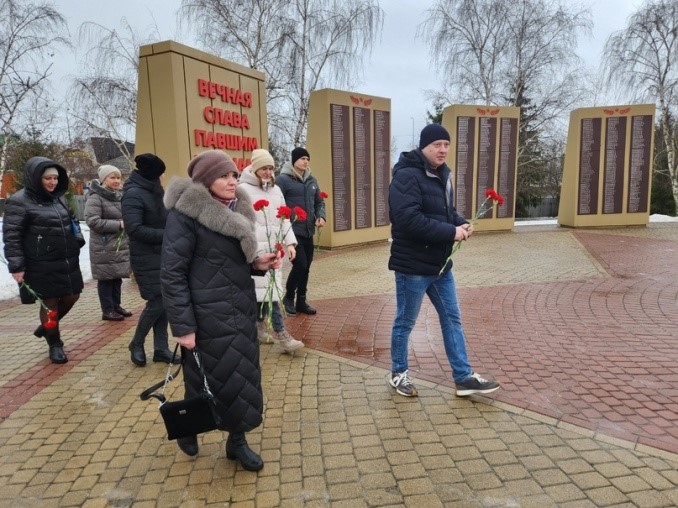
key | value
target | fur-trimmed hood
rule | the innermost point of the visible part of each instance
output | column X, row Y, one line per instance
column 195, row 201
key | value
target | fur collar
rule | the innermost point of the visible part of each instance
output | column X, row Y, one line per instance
column 195, row 201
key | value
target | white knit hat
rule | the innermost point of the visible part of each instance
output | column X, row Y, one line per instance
column 261, row 158
column 106, row 170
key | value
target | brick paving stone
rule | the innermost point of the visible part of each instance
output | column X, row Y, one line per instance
column 334, row 432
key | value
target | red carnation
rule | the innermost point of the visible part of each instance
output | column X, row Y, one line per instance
column 50, row 324
column 52, row 314
column 300, row 213
column 279, row 247
column 284, row 212
column 260, row 205
column 324, row 195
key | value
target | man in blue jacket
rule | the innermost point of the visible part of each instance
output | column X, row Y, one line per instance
column 424, row 226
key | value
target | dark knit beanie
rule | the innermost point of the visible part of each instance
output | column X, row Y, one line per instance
column 206, row 167
column 432, row 132
column 149, row 166
column 298, row 153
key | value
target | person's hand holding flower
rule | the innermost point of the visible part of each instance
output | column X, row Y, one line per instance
column 463, row 232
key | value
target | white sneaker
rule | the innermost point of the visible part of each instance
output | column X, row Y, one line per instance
column 287, row 342
column 262, row 332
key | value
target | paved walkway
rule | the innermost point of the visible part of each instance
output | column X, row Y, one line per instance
column 581, row 328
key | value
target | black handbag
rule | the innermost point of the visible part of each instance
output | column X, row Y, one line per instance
column 188, row 417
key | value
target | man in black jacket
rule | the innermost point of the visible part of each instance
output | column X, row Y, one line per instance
column 301, row 189
column 144, row 216
column 424, row 226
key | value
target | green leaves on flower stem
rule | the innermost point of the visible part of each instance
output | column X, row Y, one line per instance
column 490, row 195
column 31, row 291
column 119, row 239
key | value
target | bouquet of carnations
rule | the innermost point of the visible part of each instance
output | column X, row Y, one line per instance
column 275, row 237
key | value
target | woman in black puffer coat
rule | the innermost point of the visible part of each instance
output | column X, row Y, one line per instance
column 208, row 257
column 144, row 216
column 42, row 246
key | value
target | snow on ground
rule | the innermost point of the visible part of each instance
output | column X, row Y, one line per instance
column 9, row 288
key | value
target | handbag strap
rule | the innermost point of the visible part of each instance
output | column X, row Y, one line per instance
column 198, row 361
column 151, row 391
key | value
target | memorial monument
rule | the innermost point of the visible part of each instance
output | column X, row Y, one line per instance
column 607, row 172
column 349, row 139
column 190, row 101
column 484, row 155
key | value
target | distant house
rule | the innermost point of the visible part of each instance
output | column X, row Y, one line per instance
column 108, row 151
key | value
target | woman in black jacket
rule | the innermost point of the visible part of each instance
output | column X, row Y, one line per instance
column 42, row 247
column 208, row 256
column 144, row 216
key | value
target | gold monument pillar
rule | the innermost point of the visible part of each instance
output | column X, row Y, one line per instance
column 349, row 139
column 607, row 173
column 190, row 101
column 484, row 155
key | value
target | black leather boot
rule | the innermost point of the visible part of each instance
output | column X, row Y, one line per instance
column 138, row 355
column 238, row 449
column 303, row 306
column 288, row 303
column 56, row 349
column 188, row 445
column 162, row 355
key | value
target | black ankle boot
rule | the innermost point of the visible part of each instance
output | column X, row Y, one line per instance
column 288, row 303
column 238, row 449
column 138, row 355
column 304, row 307
column 56, row 350
column 188, row 445
column 162, row 355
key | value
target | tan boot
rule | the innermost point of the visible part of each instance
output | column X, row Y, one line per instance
column 262, row 332
column 287, row 342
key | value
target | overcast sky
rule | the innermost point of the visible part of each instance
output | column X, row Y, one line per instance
column 399, row 67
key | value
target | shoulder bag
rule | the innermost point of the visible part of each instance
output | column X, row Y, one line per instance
column 188, row 417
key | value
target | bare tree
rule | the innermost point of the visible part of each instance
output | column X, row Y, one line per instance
column 104, row 101
column 29, row 33
column 300, row 45
column 642, row 59
column 502, row 53
column 513, row 53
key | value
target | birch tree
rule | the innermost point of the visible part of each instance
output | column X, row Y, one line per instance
column 642, row 60
column 513, row 53
column 104, row 99
column 300, row 45
column 30, row 33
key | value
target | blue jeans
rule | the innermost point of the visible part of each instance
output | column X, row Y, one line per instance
column 442, row 292
column 276, row 316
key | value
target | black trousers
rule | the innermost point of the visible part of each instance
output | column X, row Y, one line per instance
column 109, row 294
column 297, row 281
column 153, row 317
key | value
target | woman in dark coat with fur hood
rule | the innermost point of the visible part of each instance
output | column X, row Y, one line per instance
column 42, row 247
column 208, row 256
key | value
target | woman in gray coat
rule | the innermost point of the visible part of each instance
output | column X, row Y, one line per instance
column 108, row 245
